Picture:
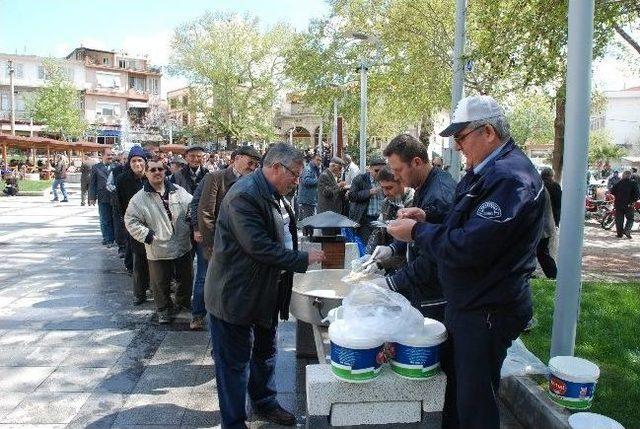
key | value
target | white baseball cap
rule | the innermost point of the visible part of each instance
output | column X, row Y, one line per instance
column 469, row 109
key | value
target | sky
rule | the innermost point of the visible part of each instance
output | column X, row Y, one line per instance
column 56, row 27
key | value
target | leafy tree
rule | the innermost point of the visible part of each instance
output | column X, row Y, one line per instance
column 602, row 149
column 57, row 103
column 531, row 119
column 235, row 72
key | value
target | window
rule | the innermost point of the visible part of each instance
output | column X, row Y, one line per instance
column 173, row 103
column 41, row 74
column 4, row 101
column 105, row 60
column 153, row 83
column 19, row 71
column 137, row 83
column 185, row 100
column 122, row 64
column 108, row 80
column 20, row 107
column 107, row 109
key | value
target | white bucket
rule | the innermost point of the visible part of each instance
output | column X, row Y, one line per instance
column 572, row 381
column 354, row 358
column 418, row 356
column 592, row 421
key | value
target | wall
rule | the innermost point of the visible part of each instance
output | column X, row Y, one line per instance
column 622, row 119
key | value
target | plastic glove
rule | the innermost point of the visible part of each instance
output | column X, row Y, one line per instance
column 380, row 282
column 382, row 253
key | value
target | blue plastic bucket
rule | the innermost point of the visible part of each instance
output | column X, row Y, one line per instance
column 418, row 356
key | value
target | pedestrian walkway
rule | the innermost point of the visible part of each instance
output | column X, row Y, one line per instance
column 74, row 352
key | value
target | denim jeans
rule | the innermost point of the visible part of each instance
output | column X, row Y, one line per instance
column 197, row 302
column 106, row 222
column 54, row 188
column 245, row 360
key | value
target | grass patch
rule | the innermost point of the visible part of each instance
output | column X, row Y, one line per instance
column 607, row 334
column 32, row 185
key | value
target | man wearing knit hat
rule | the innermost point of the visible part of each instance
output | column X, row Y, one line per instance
column 127, row 185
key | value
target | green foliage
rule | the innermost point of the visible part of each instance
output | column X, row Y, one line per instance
column 607, row 335
column 531, row 119
column 601, row 148
column 234, row 71
column 57, row 103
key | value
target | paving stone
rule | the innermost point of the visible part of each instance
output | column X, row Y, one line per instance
column 99, row 411
column 93, row 357
column 73, row 380
column 40, row 356
column 9, row 402
column 202, row 411
column 113, row 337
column 22, row 379
column 163, row 409
column 20, row 337
column 47, row 407
column 162, row 378
column 65, row 338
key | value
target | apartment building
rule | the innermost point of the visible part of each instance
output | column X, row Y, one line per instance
column 28, row 77
column 117, row 91
column 178, row 101
column 622, row 118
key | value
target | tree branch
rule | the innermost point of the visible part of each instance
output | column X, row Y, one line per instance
column 627, row 37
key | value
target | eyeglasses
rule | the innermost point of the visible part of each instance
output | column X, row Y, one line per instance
column 155, row 169
column 459, row 139
column 295, row 176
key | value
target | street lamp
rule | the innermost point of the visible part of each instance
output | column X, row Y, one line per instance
column 363, row 68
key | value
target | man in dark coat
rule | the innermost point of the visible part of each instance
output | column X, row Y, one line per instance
column 192, row 173
column 128, row 183
column 249, row 282
column 365, row 198
column 98, row 192
column 85, row 177
column 204, row 213
column 626, row 193
column 331, row 190
column 555, row 193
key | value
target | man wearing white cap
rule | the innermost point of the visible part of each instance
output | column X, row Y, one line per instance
column 485, row 252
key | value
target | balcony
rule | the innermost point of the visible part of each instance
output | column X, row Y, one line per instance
column 130, row 94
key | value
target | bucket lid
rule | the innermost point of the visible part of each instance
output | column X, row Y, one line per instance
column 433, row 333
column 574, row 369
column 341, row 333
column 592, row 421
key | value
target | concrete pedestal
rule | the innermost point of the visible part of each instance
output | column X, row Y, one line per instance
column 387, row 401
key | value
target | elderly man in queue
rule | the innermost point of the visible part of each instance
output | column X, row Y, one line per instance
column 434, row 188
column 205, row 207
column 157, row 217
column 365, row 197
column 98, row 192
column 331, row 190
column 249, row 284
column 308, row 189
column 127, row 184
column 485, row 251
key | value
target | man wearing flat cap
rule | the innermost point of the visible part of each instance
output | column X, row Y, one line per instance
column 192, row 173
column 331, row 189
column 204, row 213
column 485, row 251
column 365, row 197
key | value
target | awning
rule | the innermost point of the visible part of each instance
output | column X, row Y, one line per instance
column 137, row 104
column 632, row 159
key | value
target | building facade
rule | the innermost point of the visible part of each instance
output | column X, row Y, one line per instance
column 622, row 118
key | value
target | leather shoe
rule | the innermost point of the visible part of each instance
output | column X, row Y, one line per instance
column 278, row 415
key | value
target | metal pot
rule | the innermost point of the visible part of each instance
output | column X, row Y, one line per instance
column 316, row 292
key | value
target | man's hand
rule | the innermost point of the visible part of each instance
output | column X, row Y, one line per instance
column 342, row 184
column 382, row 253
column 401, row 229
column 414, row 213
column 197, row 236
column 374, row 191
column 315, row 256
column 91, row 202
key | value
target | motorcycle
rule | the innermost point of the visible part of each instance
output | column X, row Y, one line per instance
column 597, row 209
column 609, row 218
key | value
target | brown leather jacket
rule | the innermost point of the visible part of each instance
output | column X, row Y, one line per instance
column 214, row 187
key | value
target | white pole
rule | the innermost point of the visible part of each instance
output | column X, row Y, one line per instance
column 12, row 98
column 567, row 300
column 363, row 116
column 458, row 79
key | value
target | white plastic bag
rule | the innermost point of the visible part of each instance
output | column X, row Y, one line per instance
column 359, row 272
column 380, row 313
column 520, row 361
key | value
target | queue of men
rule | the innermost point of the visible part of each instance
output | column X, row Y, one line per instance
column 462, row 254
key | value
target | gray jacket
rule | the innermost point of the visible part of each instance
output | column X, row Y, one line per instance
column 148, row 221
column 98, row 183
column 330, row 196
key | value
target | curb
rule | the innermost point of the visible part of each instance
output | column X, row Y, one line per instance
column 530, row 405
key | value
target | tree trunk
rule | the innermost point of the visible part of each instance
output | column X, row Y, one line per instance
column 557, row 160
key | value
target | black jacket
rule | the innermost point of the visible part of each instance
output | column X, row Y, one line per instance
column 98, row 183
column 626, row 192
column 183, row 178
column 359, row 196
column 555, row 195
column 243, row 284
column 127, row 185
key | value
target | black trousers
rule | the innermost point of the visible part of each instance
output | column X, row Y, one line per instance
column 160, row 274
column 140, row 275
column 545, row 259
column 621, row 214
column 472, row 358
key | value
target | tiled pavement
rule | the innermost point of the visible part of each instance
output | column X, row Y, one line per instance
column 74, row 353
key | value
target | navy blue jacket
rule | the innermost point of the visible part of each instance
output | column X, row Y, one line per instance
column 308, row 189
column 418, row 280
column 486, row 247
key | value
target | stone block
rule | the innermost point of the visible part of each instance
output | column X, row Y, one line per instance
column 327, row 395
column 376, row 413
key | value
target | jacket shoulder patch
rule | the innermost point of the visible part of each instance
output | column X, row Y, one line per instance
column 489, row 210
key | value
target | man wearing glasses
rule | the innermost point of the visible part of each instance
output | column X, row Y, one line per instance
column 204, row 213
column 157, row 217
column 485, row 251
column 365, row 198
column 248, row 286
